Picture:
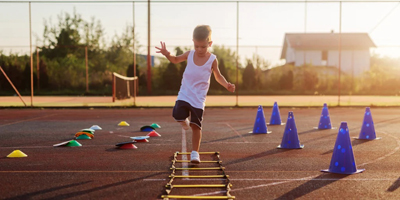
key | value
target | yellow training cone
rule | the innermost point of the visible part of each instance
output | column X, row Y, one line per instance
column 123, row 123
column 17, row 154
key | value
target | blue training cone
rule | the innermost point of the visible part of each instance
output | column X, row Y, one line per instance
column 368, row 129
column 259, row 125
column 342, row 161
column 325, row 120
column 290, row 139
column 275, row 116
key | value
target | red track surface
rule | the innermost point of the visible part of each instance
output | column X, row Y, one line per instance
column 258, row 170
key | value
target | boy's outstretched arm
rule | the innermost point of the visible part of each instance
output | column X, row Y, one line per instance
column 174, row 59
column 220, row 78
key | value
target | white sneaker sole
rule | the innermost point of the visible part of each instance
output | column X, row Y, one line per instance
column 185, row 125
column 195, row 161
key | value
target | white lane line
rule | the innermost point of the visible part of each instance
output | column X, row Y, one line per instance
column 184, row 156
column 26, row 120
column 284, row 179
column 387, row 155
column 311, row 177
column 257, row 186
column 237, row 133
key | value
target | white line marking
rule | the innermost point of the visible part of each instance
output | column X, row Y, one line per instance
column 284, row 179
column 237, row 133
column 387, row 155
column 27, row 120
column 184, row 156
column 311, row 177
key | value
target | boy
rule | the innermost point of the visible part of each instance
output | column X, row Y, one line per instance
column 195, row 84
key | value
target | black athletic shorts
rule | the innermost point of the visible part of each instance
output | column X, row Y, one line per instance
column 181, row 112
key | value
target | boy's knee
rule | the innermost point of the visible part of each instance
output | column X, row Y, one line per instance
column 194, row 126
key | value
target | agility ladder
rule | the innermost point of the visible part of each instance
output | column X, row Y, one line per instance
column 170, row 186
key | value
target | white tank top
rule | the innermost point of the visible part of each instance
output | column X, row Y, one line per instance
column 196, row 82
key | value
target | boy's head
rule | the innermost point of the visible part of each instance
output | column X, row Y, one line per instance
column 202, row 37
column 202, row 33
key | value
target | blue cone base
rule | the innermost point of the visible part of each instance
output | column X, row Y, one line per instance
column 268, row 132
column 147, row 130
column 356, row 172
column 378, row 138
column 325, row 128
column 279, row 147
column 276, row 124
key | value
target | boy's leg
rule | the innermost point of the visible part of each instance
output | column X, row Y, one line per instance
column 185, row 124
column 196, row 137
column 196, row 119
column 180, row 113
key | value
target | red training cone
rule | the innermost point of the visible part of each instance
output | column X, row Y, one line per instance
column 154, row 134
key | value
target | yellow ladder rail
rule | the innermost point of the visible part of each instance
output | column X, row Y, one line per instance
column 195, row 197
column 188, row 153
column 206, row 161
column 205, row 168
column 199, row 176
column 169, row 186
column 198, row 186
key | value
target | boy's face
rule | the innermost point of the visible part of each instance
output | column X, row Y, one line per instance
column 201, row 46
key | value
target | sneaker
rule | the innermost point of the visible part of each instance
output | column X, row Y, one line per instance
column 195, row 157
column 185, row 124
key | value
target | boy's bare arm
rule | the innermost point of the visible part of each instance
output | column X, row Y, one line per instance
column 174, row 59
column 220, row 78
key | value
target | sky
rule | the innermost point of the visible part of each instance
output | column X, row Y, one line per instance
column 262, row 25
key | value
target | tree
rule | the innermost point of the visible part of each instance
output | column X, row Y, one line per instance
column 182, row 65
column 286, row 80
column 310, row 78
column 26, row 80
column 214, row 85
column 43, row 76
column 249, row 76
column 228, row 57
column 170, row 80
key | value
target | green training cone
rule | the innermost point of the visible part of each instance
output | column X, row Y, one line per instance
column 87, row 130
column 17, row 154
column 73, row 143
column 154, row 125
column 83, row 137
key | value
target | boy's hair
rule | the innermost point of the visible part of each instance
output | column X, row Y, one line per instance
column 202, row 33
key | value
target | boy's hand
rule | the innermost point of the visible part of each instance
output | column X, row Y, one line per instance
column 231, row 87
column 163, row 49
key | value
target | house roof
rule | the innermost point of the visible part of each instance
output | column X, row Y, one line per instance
column 326, row 41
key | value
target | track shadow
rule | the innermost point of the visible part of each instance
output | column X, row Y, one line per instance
column 309, row 131
column 228, row 138
column 259, row 155
column 394, row 186
column 388, row 120
column 379, row 124
column 353, row 143
column 73, row 195
column 323, row 137
column 41, row 192
column 312, row 185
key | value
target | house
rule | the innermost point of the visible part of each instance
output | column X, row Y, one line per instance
column 322, row 49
